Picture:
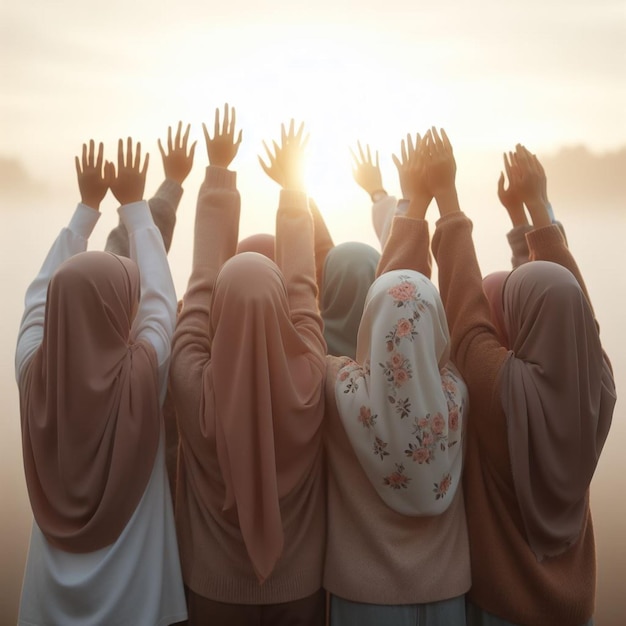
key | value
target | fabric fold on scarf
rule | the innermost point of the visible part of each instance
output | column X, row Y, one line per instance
column 262, row 401
column 558, row 395
column 89, row 406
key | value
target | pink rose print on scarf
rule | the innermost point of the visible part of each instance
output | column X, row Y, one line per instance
column 442, row 487
column 404, row 292
column 366, row 419
column 430, row 433
column 350, row 372
column 397, row 479
column 397, row 370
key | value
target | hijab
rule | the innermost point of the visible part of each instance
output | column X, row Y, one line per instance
column 263, row 401
column 262, row 243
column 558, row 395
column 403, row 403
column 89, row 404
column 349, row 270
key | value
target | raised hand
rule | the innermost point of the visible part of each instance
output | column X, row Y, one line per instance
column 533, row 186
column 176, row 162
column 286, row 164
column 129, row 182
column 408, row 151
column 441, row 170
column 222, row 148
column 92, row 180
column 365, row 172
column 511, row 197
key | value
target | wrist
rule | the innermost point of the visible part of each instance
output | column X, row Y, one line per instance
column 92, row 204
column 447, row 200
column 377, row 194
column 517, row 214
column 418, row 205
column 539, row 213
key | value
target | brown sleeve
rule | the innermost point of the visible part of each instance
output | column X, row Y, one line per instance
column 323, row 241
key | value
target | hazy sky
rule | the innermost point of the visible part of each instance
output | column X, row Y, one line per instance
column 492, row 72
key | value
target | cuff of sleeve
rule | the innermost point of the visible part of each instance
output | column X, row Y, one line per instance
column 292, row 199
column 517, row 236
column 410, row 226
column 378, row 195
column 546, row 236
column 456, row 217
column 84, row 220
column 220, row 177
column 171, row 192
column 136, row 215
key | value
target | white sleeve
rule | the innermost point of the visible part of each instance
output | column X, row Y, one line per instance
column 70, row 241
column 383, row 212
column 156, row 316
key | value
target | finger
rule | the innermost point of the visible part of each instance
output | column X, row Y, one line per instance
column 137, row 157
column 207, row 139
column 145, row 163
column 361, row 152
column 409, row 147
column 403, row 151
column 186, row 137
column 283, row 134
column 84, row 156
column 120, row 154
column 178, row 131
column 161, row 149
column 216, row 128
column 109, row 169
column 356, row 161
column 377, row 161
column 129, row 152
column 192, row 151
column 77, row 164
column 369, row 154
column 276, row 150
column 291, row 124
column 446, row 141
column 501, row 184
column 239, row 137
column 299, row 133
column 266, row 169
column 169, row 139
column 233, row 118
column 507, row 166
column 436, row 139
column 396, row 162
column 305, row 142
column 225, row 120
column 100, row 157
column 267, row 150
column 91, row 153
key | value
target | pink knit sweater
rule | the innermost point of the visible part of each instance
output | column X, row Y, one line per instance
column 215, row 562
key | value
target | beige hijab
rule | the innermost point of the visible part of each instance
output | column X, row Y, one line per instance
column 263, row 401
column 558, row 395
column 89, row 406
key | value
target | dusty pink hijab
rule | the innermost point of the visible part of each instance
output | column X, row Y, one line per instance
column 263, row 399
column 493, row 285
column 262, row 243
column 89, row 406
column 558, row 395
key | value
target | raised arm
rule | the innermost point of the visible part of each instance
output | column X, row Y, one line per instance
column 156, row 314
column 408, row 243
column 294, row 234
column 475, row 349
column 215, row 241
column 323, row 241
column 93, row 185
column 177, row 164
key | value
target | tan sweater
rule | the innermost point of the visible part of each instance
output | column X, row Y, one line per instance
column 215, row 562
column 507, row 579
column 373, row 554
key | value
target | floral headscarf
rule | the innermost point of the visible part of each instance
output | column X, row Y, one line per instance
column 402, row 402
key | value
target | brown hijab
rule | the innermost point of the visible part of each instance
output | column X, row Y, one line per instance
column 493, row 286
column 89, row 405
column 558, row 395
column 262, row 399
